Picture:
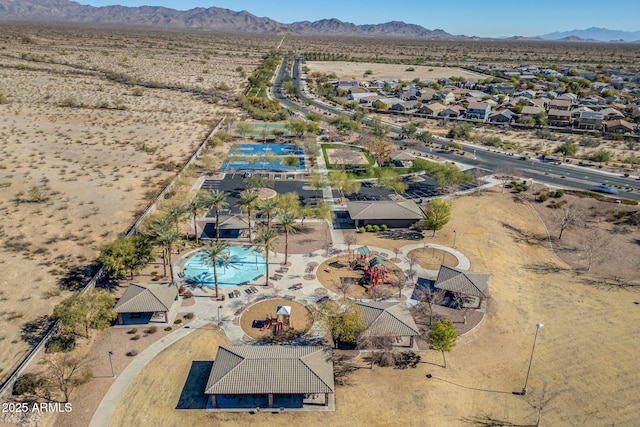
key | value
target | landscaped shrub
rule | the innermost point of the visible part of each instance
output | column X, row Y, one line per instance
column 521, row 187
column 135, row 338
column 543, row 197
column 383, row 227
column 60, row 343
column 132, row 331
column 177, row 321
column 455, row 145
column 362, row 230
column 132, row 353
column 27, row 384
column 189, row 316
column 556, row 194
column 168, row 328
column 151, row 330
column 376, row 228
column 369, row 227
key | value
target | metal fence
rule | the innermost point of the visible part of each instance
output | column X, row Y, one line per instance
column 91, row 284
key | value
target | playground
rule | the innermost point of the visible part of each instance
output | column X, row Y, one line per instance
column 361, row 273
column 275, row 316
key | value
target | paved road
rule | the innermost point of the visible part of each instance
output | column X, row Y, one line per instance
column 584, row 177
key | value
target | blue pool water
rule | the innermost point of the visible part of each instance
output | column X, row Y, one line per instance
column 244, row 265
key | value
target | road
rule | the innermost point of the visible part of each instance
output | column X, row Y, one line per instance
column 581, row 177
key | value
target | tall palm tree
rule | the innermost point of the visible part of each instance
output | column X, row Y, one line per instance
column 163, row 233
column 289, row 225
column 176, row 213
column 268, row 207
column 217, row 201
column 214, row 252
column 195, row 206
column 248, row 203
column 267, row 240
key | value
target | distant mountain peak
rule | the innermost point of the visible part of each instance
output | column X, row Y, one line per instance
column 594, row 34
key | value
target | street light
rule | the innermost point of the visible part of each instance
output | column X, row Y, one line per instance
column 219, row 307
column 524, row 389
column 111, row 364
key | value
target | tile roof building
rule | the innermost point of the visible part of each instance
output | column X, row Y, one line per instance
column 153, row 300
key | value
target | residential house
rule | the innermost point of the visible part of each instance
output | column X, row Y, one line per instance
column 405, row 106
column 531, row 110
column 454, row 112
column 394, row 214
column 590, row 120
column 279, row 376
column 146, row 303
column 357, row 97
column 389, row 319
column 611, row 114
column 501, row 88
column 527, row 93
column 619, row 126
column 559, row 117
column 569, row 97
column 575, row 113
column 560, row 104
column 478, row 111
column 592, row 100
column 474, row 287
column 445, row 96
column 431, row 109
column 502, row 116
column 540, row 102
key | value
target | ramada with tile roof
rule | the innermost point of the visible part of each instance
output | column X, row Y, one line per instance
column 393, row 214
column 231, row 226
column 144, row 303
column 474, row 286
column 388, row 319
column 288, row 377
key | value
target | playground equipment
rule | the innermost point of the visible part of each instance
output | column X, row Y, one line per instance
column 280, row 322
column 375, row 273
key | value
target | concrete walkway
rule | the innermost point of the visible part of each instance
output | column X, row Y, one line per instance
column 227, row 313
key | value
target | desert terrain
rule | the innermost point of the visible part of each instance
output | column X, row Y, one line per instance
column 584, row 370
column 95, row 122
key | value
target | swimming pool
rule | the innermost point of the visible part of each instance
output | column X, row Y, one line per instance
column 244, row 265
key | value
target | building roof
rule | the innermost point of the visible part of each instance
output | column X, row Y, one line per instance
column 464, row 282
column 386, row 209
column 531, row 110
column 364, row 250
column 387, row 319
column 150, row 297
column 226, row 222
column 559, row 113
column 271, row 369
column 619, row 123
column 402, row 156
column 478, row 106
column 284, row 310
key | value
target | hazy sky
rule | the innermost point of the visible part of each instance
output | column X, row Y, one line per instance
column 469, row 17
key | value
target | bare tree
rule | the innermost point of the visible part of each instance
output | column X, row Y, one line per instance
column 506, row 174
column 350, row 240
column 380, row 350
column 569, row 216
column 343, row 287
column 412, row 263
column 430, row 299
column 478, row 180
column 595, row 245
column 67, row 372
column 378, row 293
column 399, row 283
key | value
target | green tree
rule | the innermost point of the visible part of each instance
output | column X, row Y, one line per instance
column 299, row 127
column 288, row 202
column 176, row 213
column 343, row 321
column 601, row 156
column 244, row 128
column 527, row 121
column 389, row 180
column 248, row 203
column 567, row 148
column 378, row 129
column 425, row 137
column 408, row 130
column 314, row 117
column 217, row 200
column 127, row 254
column 442, row 337
column 288, row 223
column 82, row 312
column 462, row 131
column 436, row 215
column 213, row 253
column 318, row 181
column 267, row 240
column 344, row 124
column 343, row 183
column 268, row 208
column 195, row 206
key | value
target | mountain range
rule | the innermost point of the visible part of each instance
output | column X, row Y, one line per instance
column 219, row 19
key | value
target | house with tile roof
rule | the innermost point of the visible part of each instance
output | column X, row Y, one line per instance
column 144, row 303
column 474, row 286
column 285, row 377
column 388, row 319
column 395, row 214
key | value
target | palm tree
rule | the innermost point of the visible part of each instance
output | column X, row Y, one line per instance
column 268, row 207
column 196, row 206
column 267, row 240
column 248, row 202
column 214, row 252
column 288, row 224
column 164, row 234
column 217, row 200
column 176, row 213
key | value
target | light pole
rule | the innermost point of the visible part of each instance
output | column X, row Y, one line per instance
column 219, row 307
column 111, row 364
column 524, row 389
column 454, row 238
